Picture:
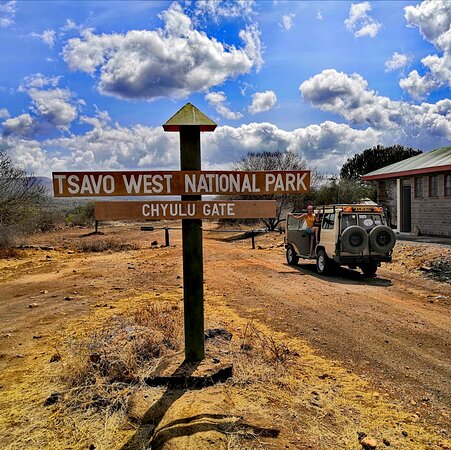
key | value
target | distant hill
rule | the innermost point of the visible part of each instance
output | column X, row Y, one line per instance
column 45, row 182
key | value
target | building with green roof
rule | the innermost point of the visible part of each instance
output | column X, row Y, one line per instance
column 417, row 193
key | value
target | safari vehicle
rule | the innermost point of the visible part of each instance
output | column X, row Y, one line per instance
column 349, row 235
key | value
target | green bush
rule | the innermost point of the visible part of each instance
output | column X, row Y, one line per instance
column 22, row 198
column 82, row 215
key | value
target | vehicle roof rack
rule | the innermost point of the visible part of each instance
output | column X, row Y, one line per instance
column 340, row 205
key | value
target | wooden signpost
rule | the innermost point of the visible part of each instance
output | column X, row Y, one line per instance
column 191, row 183
column 144, row 183
column 172, row 210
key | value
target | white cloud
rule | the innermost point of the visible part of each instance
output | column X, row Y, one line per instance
column 47, row 36
column 55, row 106
column 398, row 61
column 370, row 30
column 218, row 100
column 253, row 46
column 349, row 96
column 433, row 18
column 51, row 107
column 287, row 21
column 325, row 146
column 38, row 81
column 319, row 16
column 174, row 61
column 360, row 23
column 30, row 156
column 262, row 101
column 69, row 26
column 417, row 86
column 22, row 125
column 7, row 13
column 4, row 113
column 217, row 9
column 107, row 147
column 103, row 147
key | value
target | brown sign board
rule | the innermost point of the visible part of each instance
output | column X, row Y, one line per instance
column 172, row 210
column 146, row 183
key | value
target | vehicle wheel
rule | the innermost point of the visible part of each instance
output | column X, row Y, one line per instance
column 292, row 258
column 382, row 239
column 370, row 269
column 354, row 239
column 323, row 263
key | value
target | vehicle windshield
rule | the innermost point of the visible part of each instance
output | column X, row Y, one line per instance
column 365, row 220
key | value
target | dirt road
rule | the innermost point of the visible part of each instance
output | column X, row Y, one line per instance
column 394, row 330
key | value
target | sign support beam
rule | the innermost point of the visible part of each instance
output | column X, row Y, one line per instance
column 193, row 271
column 189, row 122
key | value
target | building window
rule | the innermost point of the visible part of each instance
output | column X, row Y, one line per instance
column 419, row 187
column 448, row 184
column 433, row 186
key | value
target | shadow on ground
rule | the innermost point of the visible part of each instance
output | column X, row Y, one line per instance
column 150, row 434
column 340, row 275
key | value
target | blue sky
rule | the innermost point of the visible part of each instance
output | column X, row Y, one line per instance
column 87, row 85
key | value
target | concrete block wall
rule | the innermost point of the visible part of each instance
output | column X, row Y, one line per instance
column 432, row 214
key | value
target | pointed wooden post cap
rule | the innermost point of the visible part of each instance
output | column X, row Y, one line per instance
column 189, row 115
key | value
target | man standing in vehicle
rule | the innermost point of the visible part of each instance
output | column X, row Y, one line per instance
column 310, row 219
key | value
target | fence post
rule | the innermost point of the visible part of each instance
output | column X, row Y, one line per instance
column 253, row 239
column 166, row 236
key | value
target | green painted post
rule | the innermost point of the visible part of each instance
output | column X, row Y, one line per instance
column 189, row 121
column 193, row 272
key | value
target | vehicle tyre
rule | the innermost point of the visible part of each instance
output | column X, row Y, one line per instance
column 369, row 269
column 354, row 239
column 382, row 239
column 292, row 258
column 323, row 264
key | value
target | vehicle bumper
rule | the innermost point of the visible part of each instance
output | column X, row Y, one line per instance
column 362, row 259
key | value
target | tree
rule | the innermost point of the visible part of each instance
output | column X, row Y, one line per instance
column 21, row 200
column 265, row 161
column 342, row 190
column 375, row 158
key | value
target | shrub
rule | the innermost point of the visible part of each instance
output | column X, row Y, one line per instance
column 82, row 215
column 21, row 199
column 124, row 346
column 103, row 245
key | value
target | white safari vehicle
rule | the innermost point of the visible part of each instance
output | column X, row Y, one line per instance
column 349, row 235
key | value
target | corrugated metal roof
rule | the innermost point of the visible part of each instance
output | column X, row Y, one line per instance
column 426, row 162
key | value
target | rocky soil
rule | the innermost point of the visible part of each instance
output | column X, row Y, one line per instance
column 337, row 362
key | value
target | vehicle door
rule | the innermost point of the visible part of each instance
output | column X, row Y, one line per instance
column 297, row 235
column 328, row 233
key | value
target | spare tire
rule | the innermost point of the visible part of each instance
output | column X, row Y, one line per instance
column 382, row 239
column 354, row 239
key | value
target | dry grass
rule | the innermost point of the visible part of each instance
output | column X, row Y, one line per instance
column 103, row 245
column 101, row 371
column 272, row 351
column 121, row 351
column 9, row 252
column 277, row 383
column 105, row 368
